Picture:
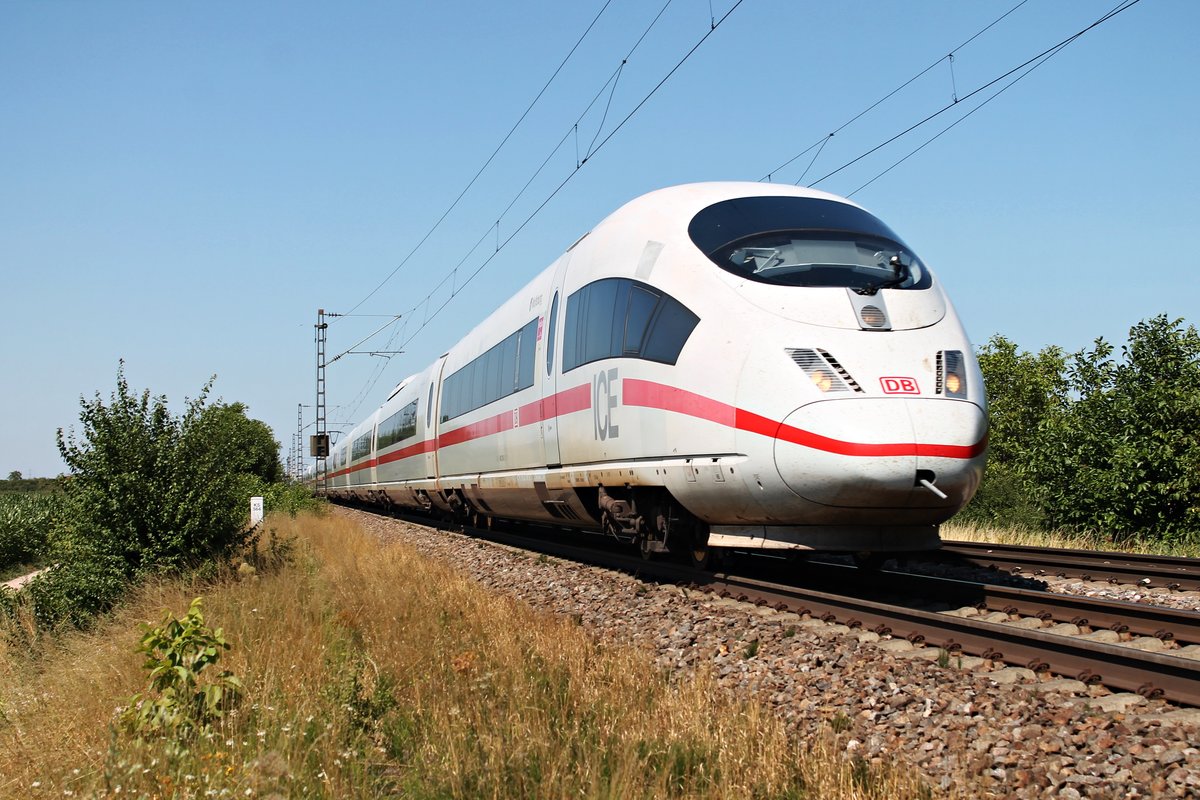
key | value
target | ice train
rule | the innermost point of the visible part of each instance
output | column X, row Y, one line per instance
column 715, row 365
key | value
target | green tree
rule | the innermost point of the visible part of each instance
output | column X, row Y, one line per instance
column 149, row 491
column 1094, row 441
column 14, row 475
column 1027, row 395
column 1128, row 457
column 249, row 444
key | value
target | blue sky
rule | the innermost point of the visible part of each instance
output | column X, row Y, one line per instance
column 182, row 185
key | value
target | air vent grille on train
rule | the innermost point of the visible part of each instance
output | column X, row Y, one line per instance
column 823, row 369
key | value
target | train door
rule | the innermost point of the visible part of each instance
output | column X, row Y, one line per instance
column 433, row 400
column 548, row 368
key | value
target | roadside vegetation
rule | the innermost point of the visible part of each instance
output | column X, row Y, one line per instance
column 149, row 493
column 364, row 670
column 1094, row 447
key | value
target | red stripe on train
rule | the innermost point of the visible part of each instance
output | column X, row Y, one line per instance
column 578, row 398
column 648, row 394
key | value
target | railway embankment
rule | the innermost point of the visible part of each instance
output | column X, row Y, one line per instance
column 373, row 666
column 968, row 725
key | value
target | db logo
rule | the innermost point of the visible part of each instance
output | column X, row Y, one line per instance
column 899, row 386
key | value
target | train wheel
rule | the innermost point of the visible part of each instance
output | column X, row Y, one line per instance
column 869, row 562
column 698, row 554
column 646, row 546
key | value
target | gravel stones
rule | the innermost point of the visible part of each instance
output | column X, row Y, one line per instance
column 971, row 727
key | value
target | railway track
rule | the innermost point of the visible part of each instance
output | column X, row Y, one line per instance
column 1156, row 672
column 1171, row 572
column 1151, row 650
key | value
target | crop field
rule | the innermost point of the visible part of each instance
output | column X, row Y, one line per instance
column 25, row 525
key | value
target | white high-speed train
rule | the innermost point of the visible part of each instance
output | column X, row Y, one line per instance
column 733, row 365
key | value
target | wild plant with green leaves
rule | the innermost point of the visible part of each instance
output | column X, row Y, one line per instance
column 184, row 697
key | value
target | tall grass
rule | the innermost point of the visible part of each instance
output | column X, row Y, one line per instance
column 976, row 532
column 370, row 671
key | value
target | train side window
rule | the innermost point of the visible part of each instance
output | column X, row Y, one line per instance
column 506, row 368
column 508, row 365
column 616, row 317
column 450, row 396
column 550, row 335
column 478, row 371
column 616, row 326
column 671, row 328
column 491, row 387
column 598, row 323
column 429, row 407
column 361, row 447
column 642, row 303
column 570, row 348
column 526, row 354
column 399, row 426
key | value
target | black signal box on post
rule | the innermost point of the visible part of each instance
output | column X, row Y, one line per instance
column 318, row 446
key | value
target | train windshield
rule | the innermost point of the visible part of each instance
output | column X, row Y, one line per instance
column 806, row 241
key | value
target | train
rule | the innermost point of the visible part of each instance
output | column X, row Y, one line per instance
column 714, row 367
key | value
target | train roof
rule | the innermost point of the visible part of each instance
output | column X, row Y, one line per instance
column 686, row 200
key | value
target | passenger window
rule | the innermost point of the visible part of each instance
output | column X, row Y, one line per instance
column 641, row 307
column 478, row 384
column 526, row 354
column 504, row 369
column 598, row 324
column 616, row 326
column 671, row 328
column 508, row 365
column 618, row 317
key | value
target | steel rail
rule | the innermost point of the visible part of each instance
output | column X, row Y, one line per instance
column 1174, row 572
column 1141, row 619
column 1149, row 674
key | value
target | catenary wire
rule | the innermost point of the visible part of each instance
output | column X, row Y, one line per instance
column 821, row 142
column 452, row 275
column 961, row 119
column 486, row 164
column 1123, row 6
column 592, row 150
column 574, row 172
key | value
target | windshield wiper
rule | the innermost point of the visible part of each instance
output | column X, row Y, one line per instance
column 900, row 274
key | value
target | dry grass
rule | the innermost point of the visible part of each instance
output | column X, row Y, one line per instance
column 972, row 532
column 373, row 672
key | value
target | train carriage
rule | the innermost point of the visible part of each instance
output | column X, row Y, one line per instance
column 725, row 364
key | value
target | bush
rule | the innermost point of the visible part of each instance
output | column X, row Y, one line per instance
column 77, row 589
column 1095, row 443
column 149, row 492
column 290, row 499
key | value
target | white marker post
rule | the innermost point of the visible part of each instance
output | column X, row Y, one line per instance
column 256, row 511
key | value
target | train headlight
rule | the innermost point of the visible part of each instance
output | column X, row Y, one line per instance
column 952, row 374
column 821, row 379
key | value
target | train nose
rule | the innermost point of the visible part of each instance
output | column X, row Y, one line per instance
column 874, row 452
